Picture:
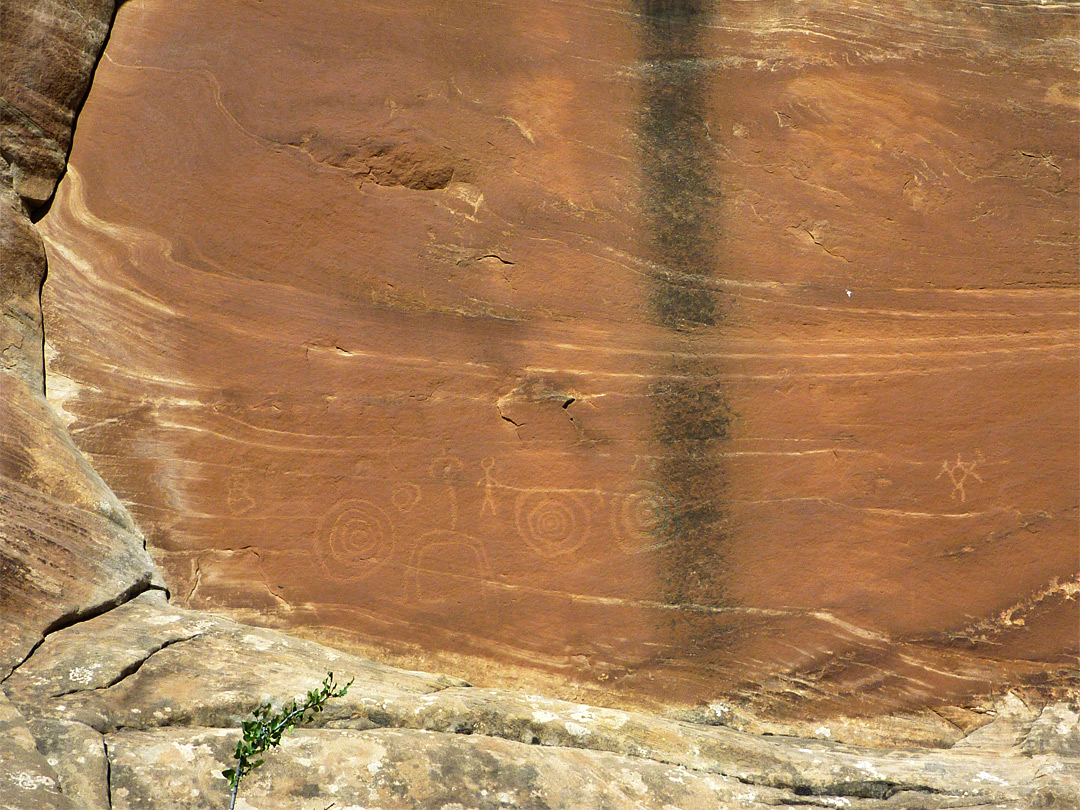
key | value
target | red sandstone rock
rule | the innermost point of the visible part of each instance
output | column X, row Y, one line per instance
column 729, row 353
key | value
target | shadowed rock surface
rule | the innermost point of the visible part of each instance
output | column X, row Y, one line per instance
column 836, row 670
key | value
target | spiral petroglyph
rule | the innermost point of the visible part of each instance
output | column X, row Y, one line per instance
column 355, row 538
column 639, row 518
column 405, row 497
column 551, row 522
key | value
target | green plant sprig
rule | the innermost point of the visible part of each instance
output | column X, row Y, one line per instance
column 264, row 730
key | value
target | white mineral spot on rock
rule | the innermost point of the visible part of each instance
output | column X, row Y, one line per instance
column 505, row 798
column 30, row 781
column 822, row 731
column 720, row 709
column 540, row 716
column 187, row 751
column 576, row 729
column 259, row 643
column 634, row 782
column 835, row 801
column 162, row 619
column 81, row 674
column 584, row 715
column 985, row 776
column 868, row 768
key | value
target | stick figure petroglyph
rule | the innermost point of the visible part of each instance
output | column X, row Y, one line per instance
column 959, row 472
column 488, row 483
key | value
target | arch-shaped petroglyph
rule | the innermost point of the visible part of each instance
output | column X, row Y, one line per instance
column 449, row 567
column 639, row 518
column 552, row 522
column 238, row 494
column 355, row 538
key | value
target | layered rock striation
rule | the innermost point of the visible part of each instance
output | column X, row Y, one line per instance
column 523, row 341
column 662, row 349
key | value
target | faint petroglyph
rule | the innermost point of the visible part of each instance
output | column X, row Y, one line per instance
column 959, row 472
column 449, row 567
column 405, row 497
column 355, row 538
column 238, row 495
column 639, row 518
column 552, row 522
column 488, row 483
column 447, row 469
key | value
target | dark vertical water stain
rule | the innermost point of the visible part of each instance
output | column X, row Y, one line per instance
column 679, row 197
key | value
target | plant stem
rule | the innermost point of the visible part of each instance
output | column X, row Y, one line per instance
column 235, row 787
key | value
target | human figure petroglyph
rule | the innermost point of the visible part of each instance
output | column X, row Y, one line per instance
column 959, row 472
column 488, row 483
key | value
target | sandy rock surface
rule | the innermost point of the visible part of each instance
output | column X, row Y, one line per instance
column 631, row 239
column 157, row 692
column 629, row 351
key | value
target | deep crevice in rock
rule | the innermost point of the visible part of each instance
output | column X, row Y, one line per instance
column 77, row 616
column 131, row 668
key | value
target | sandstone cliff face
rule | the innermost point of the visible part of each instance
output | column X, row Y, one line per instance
column 719, row 472
column 669, row 349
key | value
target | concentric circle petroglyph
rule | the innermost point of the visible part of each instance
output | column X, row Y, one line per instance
column 551, row 522
column 355, row 538
column 639, row 517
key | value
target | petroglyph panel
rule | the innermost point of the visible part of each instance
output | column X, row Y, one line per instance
column 674, row 349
